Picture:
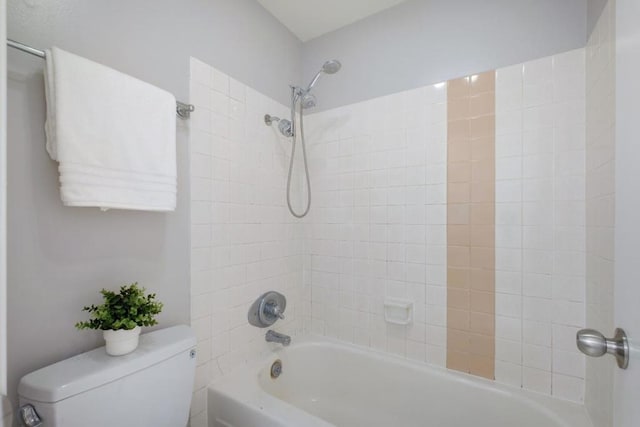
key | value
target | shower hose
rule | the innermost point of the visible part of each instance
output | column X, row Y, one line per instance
column 304, row 158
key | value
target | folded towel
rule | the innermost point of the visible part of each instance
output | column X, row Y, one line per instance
column 114, row 136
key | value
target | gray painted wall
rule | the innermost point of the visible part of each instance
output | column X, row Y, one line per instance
column 422, row 42
column 59, row 257
column 594, row 9
column 153, row 39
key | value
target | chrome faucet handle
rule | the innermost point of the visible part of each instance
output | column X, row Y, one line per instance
column 267, row 309
column 594, row 344
column 274, row 310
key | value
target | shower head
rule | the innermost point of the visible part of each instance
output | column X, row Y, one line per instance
column 308, row 101
column 330, row 67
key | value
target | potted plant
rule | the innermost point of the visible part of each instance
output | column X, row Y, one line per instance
column 121, row 316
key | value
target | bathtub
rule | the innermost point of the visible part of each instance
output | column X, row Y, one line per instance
column 328, row 383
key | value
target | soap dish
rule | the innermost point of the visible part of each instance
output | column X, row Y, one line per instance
column 398, row 311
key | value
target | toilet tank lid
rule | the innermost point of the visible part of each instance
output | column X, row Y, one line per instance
column 89, row 370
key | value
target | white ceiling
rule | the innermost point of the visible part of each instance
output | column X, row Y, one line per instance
column 308, row 19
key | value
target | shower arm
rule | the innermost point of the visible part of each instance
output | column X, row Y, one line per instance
column 269, row 119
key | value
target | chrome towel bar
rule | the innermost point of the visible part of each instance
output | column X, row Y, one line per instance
column 182, row 110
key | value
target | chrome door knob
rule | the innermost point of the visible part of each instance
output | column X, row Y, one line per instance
column 594, row 344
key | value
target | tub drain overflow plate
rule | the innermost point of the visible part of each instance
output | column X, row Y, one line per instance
column 276, row 369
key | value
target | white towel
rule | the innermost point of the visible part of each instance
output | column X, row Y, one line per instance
column 114, row 136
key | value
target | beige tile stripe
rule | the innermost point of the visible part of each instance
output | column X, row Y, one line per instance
column 471, row 224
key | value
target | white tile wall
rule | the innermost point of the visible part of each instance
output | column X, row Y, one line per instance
column 600, row 160
column 377, row 228
column 243, row 240
column 540, row 224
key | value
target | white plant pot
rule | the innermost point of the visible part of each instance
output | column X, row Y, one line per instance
column 121, row 342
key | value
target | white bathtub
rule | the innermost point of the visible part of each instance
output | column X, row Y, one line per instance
column 327, row 383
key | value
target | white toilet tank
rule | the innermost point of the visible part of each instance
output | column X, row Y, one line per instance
column 150, row 387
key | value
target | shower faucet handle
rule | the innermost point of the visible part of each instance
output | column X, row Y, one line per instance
column 267, row 309
column 273, row 309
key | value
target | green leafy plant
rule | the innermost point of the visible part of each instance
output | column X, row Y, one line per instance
column 124, row 310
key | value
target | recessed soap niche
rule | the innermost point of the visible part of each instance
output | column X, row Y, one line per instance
column 398, row 311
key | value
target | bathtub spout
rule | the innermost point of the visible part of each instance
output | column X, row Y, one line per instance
column 273, row 336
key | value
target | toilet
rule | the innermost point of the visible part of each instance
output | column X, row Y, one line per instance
column 150, row 387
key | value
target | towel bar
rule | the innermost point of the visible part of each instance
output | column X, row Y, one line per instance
column 182, row 110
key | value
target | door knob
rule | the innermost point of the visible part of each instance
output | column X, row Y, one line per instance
column 594, row 344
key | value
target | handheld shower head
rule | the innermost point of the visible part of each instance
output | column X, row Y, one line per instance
column 330, row 67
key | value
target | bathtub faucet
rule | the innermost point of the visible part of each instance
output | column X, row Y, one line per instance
column 273, row 336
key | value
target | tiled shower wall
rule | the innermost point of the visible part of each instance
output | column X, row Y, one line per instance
column 540, row 224
column 600, row 84
column 378, row 226
column 244, row 242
